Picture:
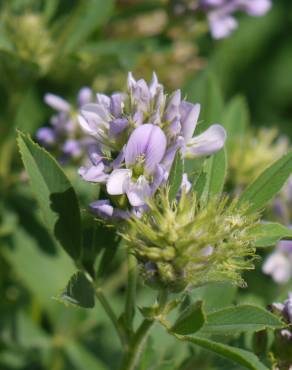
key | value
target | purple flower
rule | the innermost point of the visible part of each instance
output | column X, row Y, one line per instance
column 286, row 310
column 65, row 138
column 279, row 263
column 57, row 103
column 46, row 136
column 143, row 153
column 220, row 13
column 138, row 134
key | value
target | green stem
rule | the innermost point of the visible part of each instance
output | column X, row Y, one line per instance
column 112, row 316
column 137, row 344
column 132, row 357
column 131, row 291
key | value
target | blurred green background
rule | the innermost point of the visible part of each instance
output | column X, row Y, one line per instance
column 58, row 46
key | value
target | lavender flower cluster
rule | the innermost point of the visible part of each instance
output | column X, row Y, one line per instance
column 64, row 137
column 220, row 13
column 137, row 135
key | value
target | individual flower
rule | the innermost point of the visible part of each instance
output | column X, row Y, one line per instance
column 220, row 13
column 137, row 135
column 64, row 137
column 279, row 263
column 185, row 243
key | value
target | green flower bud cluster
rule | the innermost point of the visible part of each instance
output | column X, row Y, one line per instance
column 254, row 152
column 186, row 243
column 30, row 38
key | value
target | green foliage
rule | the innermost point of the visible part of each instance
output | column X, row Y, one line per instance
column 175, row 176
column 239, row 356
column 237, row 319
column 268, row 234
column 55, row 195
column 87, row 17
column 216, row 167
column 205, row 89
column 79, row 291
column 59, row 46
column 268, row 184
column 235, row 120
column 190, row 320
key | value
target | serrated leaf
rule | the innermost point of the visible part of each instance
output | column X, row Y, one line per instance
column 55, row 195
column 268, row 184
column 175, row 176
column 190, row 320
column 215, row 175
column 268, row 234
column 238, row 319
column 79, row 291
column 237, row 355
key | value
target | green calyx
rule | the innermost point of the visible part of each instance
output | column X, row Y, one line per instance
column 185, row 243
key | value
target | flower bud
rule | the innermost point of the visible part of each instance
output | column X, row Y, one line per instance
column 184, row 243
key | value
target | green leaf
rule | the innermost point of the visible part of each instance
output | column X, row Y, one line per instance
column 237, row 355
column 42, row 273
column 267, row 184
column 79, row 291
column 215, row 295
column 81, row 357
column 199, row 184
column 87, row 17
column 205, row 89
column 190, row 320
column 215, row 172
column 55, row 195
column 237, row 319
column 175, row 176
column 268, row 234
column 235, row 119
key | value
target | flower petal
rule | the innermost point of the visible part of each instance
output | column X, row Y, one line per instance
column 72, row 148
column 172, row 108
column 256, row 8
column 131, row 81
column 207, row 143
column 117, row 126
column 116, row 163
column 138, row 192
column 46, row 136
column 148, row 140
column 93, row 173
column 221, row 26
column 93, row 119
column 103, row 100
column 116, row 104
column 189, row 118
column 102, row 208
column 57, row 103
column 154, row 84
column 118, row 181
column 84, row 96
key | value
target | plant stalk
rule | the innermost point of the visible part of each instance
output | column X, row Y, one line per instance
column 132, row 357
column 137, row 343
column 131, row 292
column 112, row 316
